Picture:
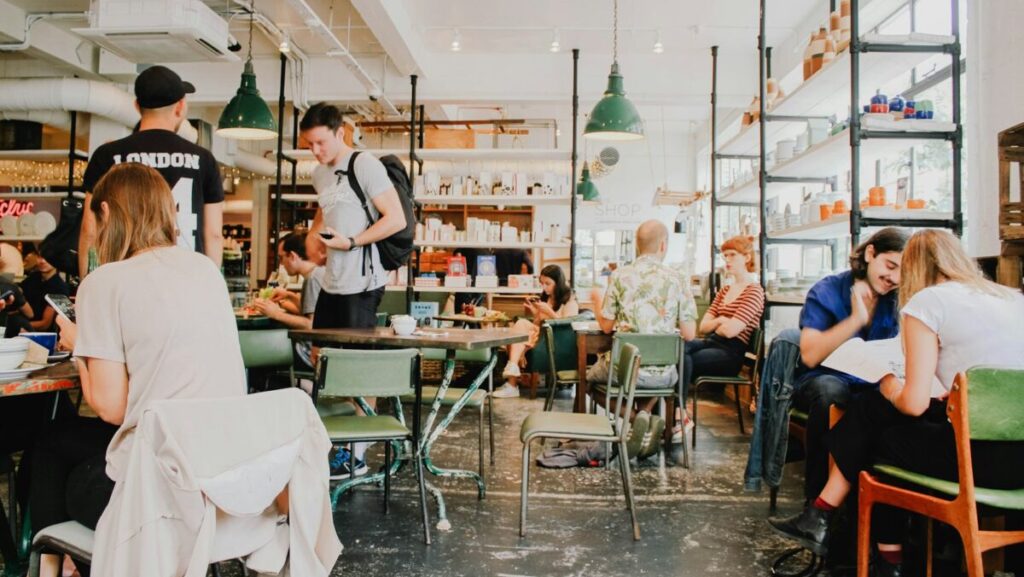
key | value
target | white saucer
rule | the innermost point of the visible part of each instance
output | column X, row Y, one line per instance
column 16, row 374
column 58, row 356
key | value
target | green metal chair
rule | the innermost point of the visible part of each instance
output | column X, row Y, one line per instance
column 557, row 360
column 266, row 349
column 655, row 350
column 477, row 400
column 985, row 404
column 588, row 427
column 371, row 373
column 745, row 378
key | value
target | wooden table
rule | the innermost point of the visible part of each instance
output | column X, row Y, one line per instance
column 472, row 320
column 59, row 377
column 589, row 341
column 451, row 340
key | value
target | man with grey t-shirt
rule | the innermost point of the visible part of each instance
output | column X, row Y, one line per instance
column 354, row 279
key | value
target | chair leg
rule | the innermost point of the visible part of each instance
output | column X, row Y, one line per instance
column 215, row 569
column 929, row 548
column 661, row 444
column 693, row 416
column 773, row 497
column 12, row 500
column 972, row 551
column 533, row 386
column 490, row 414
column 480, row 442
column 420, row 478
column 549, row 402
column 865, row 502
column 627, row 481
column 525, row 488
column 739, row 408
column 387, row 477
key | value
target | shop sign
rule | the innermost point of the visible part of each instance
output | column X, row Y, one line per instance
column 15, row 207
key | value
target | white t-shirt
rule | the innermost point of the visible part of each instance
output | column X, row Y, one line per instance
column 974, row 328
column 343, row 212
column 166, row 315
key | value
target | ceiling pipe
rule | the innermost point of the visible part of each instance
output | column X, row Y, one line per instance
column 319, row 27
column 30, row 21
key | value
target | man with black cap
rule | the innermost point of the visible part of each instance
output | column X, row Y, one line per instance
column 190, row 170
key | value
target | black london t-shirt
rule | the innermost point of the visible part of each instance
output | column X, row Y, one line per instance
column 190, row 170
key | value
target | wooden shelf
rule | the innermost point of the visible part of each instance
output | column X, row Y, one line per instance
column 471, row 211
column 456, row 154
column 495, row 200
column 48, row 155
column 495, row 245
column 839, row 226
column 480, row 290
column 37, row 195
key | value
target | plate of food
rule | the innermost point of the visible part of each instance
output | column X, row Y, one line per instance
column 248, row 312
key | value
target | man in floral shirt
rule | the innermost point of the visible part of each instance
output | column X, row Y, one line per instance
column 646, row 296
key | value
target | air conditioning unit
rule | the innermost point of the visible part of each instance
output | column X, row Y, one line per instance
column 158, row 31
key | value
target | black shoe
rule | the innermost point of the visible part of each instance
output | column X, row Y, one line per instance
column 882, row 568
column 810, row 529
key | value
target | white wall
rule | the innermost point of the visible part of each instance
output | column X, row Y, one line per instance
column 995, row 83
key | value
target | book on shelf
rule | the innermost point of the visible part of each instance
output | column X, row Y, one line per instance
column 423, row 310
column 427, row 280
column 456, row 266
column 457, row 281
column 486, row 265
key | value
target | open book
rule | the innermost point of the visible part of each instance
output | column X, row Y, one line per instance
column 873, row 360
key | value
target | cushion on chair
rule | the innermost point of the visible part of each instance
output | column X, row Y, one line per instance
column 1004, row 499
column 70, row 537
column 334, row 407
column 450, row 397
column 378, row 427
column 566, row 425
column 568, row 376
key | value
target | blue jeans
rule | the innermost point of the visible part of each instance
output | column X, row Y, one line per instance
column 813, row 395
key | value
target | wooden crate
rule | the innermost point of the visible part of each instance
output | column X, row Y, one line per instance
column 1011, row 207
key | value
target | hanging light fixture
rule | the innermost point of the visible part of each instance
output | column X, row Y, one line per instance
column 285, row 46
column 586, row 187
column 247, row 116
column 614, row 117
column 456, row 41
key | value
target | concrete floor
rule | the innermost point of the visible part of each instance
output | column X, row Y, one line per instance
column 694, row 522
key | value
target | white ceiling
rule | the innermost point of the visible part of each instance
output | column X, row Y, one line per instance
column 506, row 58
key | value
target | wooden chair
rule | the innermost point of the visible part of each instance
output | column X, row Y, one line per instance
column 993, row 414
column 746, row 377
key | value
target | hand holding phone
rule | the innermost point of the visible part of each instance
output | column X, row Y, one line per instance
column 326, row 235
column 6, row 294
column 63, row 305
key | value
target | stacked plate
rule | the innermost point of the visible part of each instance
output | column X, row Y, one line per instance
column 12, row 352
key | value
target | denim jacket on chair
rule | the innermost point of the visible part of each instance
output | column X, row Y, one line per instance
column 771, row 423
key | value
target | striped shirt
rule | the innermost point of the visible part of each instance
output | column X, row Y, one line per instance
column 747, row 307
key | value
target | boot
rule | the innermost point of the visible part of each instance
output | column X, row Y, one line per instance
column 810, row 529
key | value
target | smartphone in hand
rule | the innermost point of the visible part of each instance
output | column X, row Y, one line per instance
column 63, row 305
column 325, row 235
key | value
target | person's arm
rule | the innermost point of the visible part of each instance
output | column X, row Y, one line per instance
column 105, row 388
column 688, row 330
column 314, row 242
column 601, row 304
column 749, row 307
column 392, row 220
column 816, row 344
column 46, row 321
column 711, row 321
column 275, row 312
column 86, row 237
column 213, row 235
column 921, row 344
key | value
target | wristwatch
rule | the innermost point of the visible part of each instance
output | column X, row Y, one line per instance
column 352, row 243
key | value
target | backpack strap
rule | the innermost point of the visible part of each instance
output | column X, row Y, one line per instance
column 353, row 182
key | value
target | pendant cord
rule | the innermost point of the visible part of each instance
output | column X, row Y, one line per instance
column 252, row 16
column 615, row 32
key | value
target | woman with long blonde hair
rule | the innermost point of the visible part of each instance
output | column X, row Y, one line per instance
column 154, row 322
column 952, row 318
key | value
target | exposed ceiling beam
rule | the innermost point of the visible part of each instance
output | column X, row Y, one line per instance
column 392, row 26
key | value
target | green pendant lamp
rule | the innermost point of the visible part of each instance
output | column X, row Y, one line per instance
column 614, row 117
column 586, row 188
column 247, row 116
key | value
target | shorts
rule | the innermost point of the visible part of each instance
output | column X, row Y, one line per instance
column 354, row 311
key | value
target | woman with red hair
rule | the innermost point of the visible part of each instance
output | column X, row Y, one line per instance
column 730, row 321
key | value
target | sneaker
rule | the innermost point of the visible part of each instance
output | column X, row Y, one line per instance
column 641, row 422
column 511, row 370
column 506, row 391
column 652, row 438
column 341, row 465
column 679, row 433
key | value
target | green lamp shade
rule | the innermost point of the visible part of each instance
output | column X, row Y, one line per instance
column 586, row 187
column 614, row 117
column 247, row 116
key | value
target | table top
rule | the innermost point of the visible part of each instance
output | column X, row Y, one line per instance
column 471, row 319
column 453, row 339
column 59, row 377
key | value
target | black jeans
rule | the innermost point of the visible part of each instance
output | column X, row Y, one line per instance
column 355, row 311
column 69, row 480
column 711, row 357
column 813, row 395
column 873, row 431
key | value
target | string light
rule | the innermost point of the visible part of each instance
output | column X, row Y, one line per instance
column 38, row 173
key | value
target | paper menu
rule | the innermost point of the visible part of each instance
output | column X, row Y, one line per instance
column 868, row 360
column 873, row 360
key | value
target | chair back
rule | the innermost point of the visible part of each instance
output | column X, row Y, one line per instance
column 996, row 404
column 367, row 373
column 560, row 357
column 656, row 349
column 626, row 366
column 755, row 353
column 265, row 348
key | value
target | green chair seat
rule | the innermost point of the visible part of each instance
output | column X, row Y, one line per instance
column 566, row 424
column 366, row 428
column 334, row 407
column 451, row 396
column 640, row 393
column 722, row 380
column 1012, row 499
column 798, row 415
column 477, row 356
column 567, row 376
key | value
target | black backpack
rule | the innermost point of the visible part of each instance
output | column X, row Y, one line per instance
column 394, row 250
column 60, row 247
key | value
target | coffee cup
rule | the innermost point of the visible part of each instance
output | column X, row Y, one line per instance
column 403, row 325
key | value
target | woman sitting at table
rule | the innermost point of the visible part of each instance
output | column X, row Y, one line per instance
column 731, row 320
column 555, row 302
column 154, row 322
column 952, row 319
